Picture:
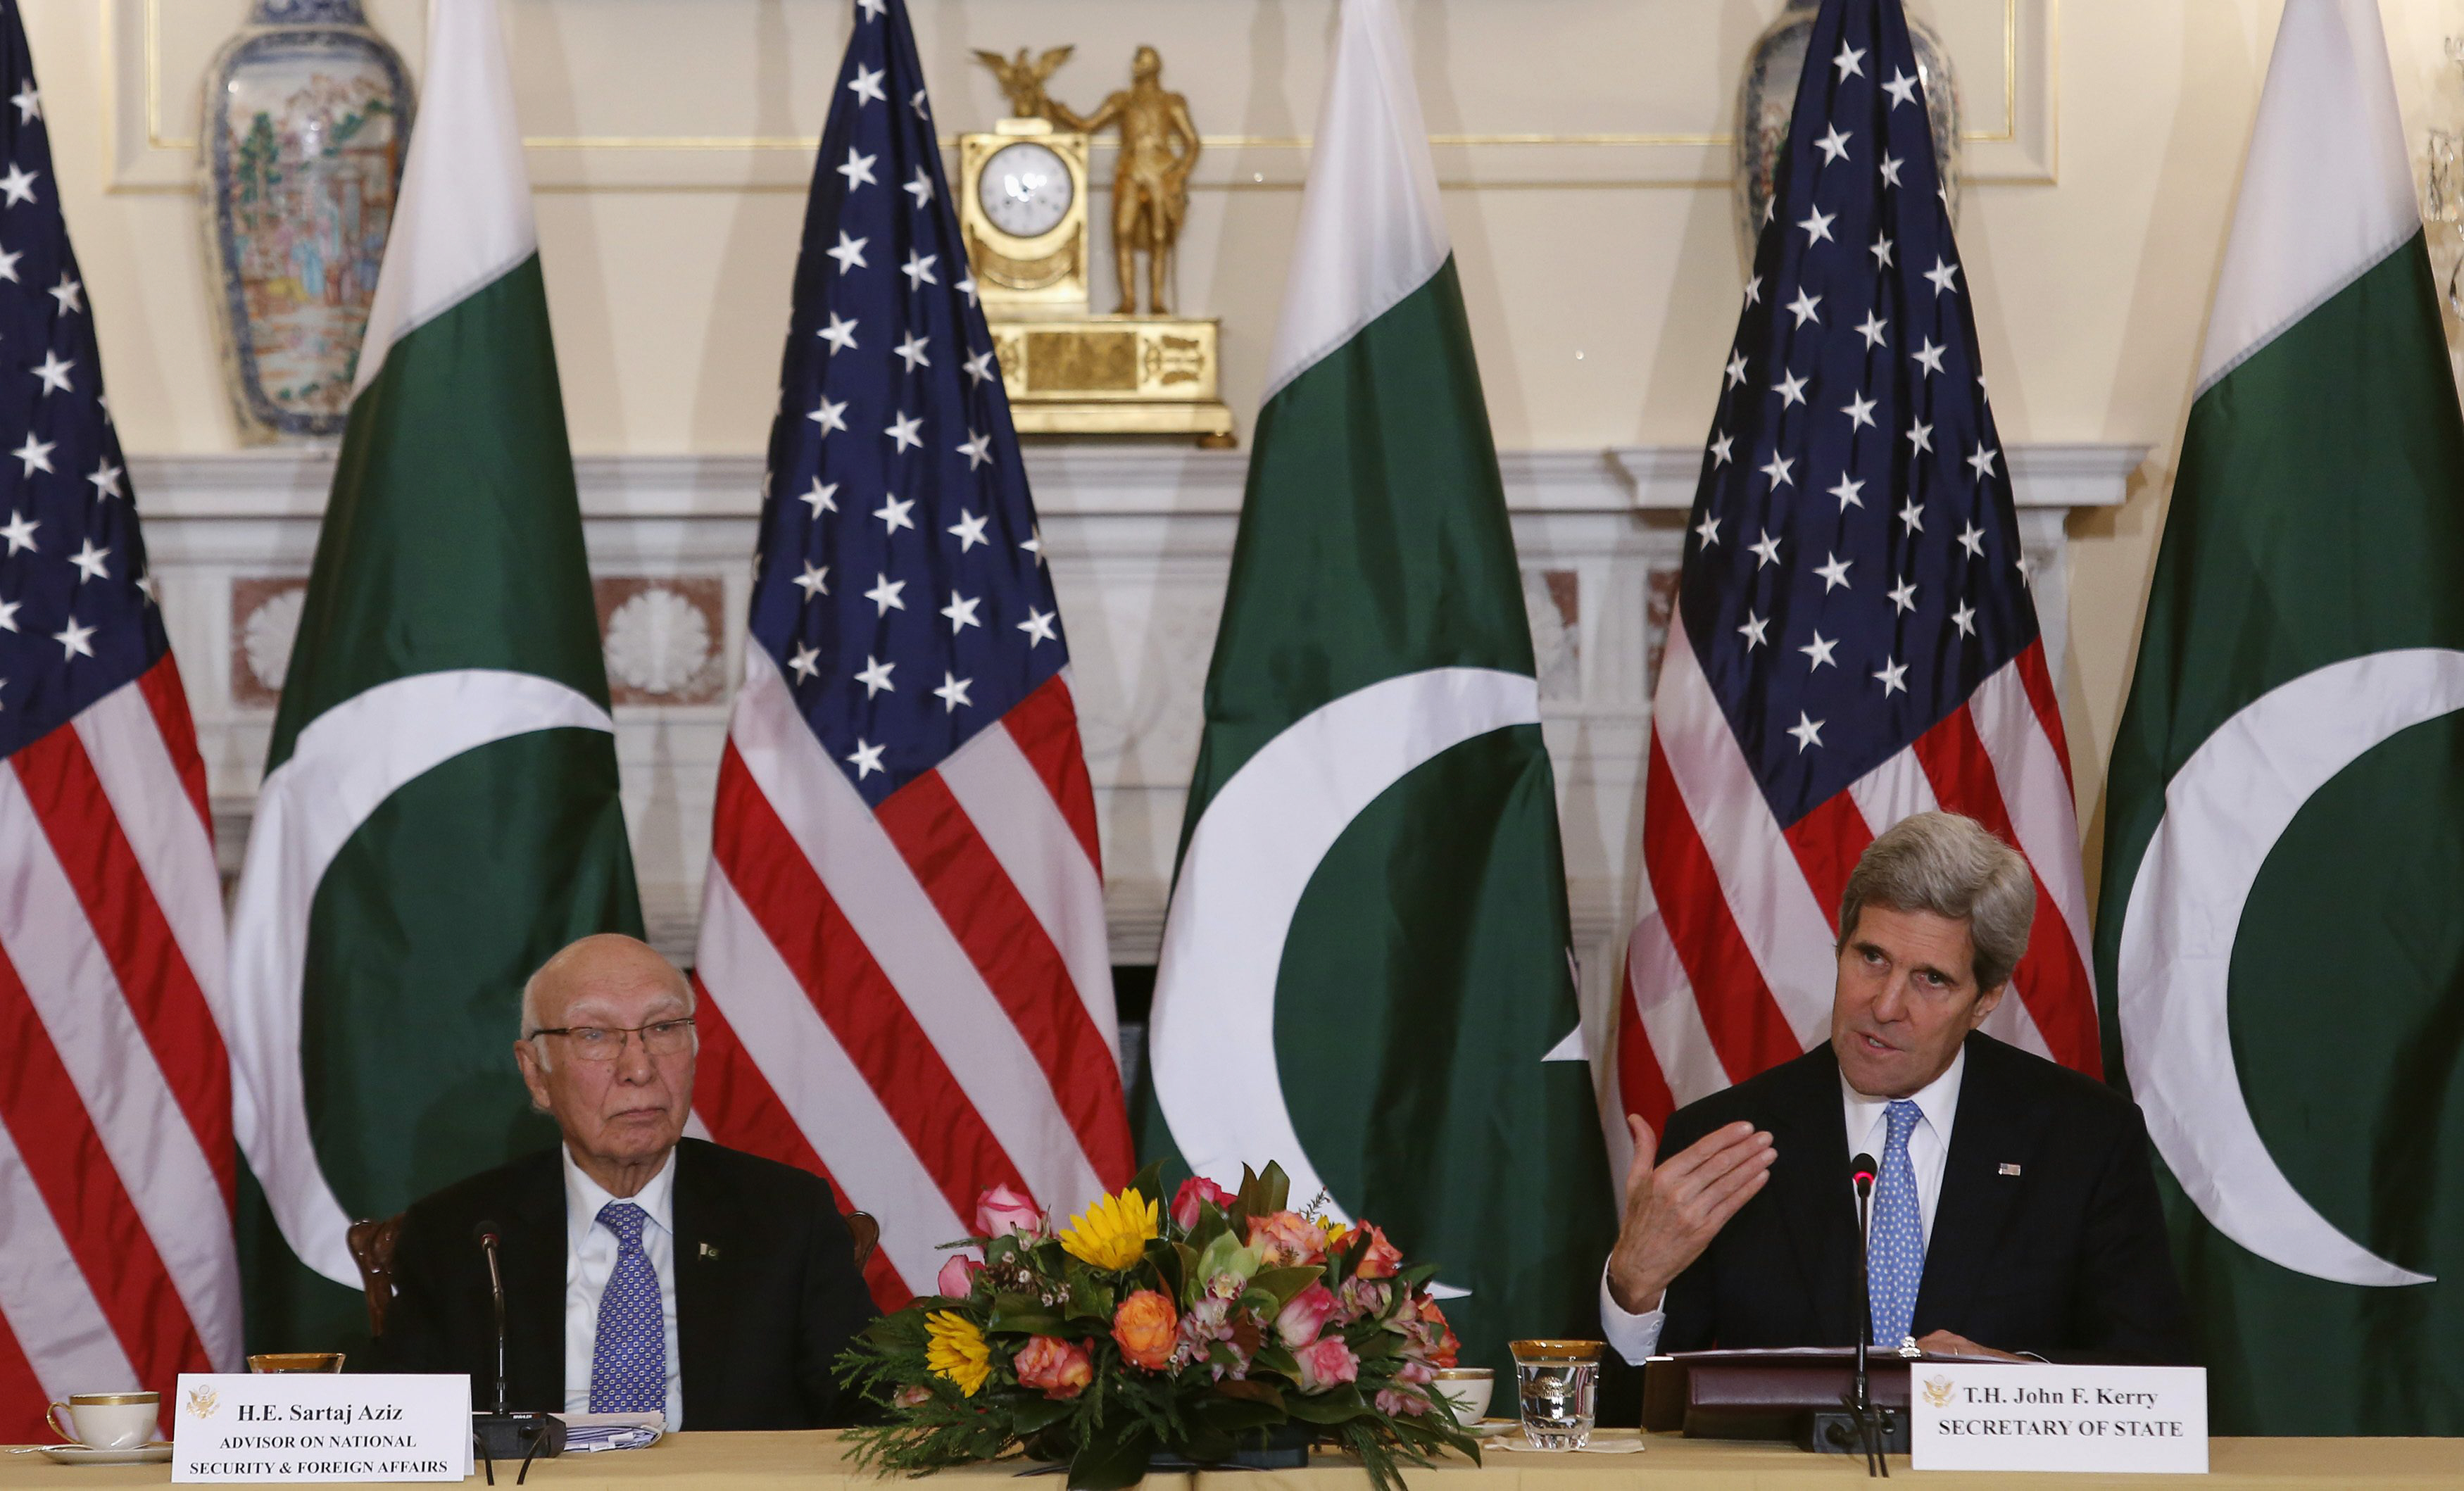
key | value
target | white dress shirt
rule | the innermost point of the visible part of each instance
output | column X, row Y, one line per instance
column 1867, row 1126
column 590, row 1257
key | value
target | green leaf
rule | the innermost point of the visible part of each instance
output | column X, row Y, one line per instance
column 1264, row 1195
column 1166, row 1259
column 1034, row 1417
column 1213, row 1222
column 1254, row 1391
column 1337, row 1406
column 1021, row 1315
column 1376, row 1342
column 1286, row 1284
column 1233, row 1415
column 1111, row 1462
column 899, row 1328
column 1150, row 1182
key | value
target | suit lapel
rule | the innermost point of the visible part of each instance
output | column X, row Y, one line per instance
column 1976, row 1199
column 533, row 1255
column 1810, row 1183
column 702, row 1218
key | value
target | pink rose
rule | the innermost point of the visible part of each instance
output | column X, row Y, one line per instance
column 1194, row 1192
column 1055, row 1368
column 958, row 1277
column 1288, row 1239
column 1002, row 1210
column 1383, row 1259
column 1326, row 1363
column 912, row 1396
column 1301, row 1321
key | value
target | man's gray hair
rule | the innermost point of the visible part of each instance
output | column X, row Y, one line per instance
column 1952, row 866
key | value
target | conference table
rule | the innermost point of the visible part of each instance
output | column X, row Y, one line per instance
column 815, row 1461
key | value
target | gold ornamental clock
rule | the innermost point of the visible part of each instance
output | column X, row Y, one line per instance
column 1023, row 198
column 1022, row 209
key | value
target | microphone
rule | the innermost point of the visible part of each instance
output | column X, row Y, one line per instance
column 484, row 1233
column 502, row 1433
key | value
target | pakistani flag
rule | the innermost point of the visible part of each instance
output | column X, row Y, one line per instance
column 2282, row 928
column 439, row 811
column 1365, row 973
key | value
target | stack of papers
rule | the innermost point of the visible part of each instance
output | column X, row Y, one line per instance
column 587, row 1433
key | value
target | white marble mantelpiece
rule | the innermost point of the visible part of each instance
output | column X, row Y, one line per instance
column 1140, row 539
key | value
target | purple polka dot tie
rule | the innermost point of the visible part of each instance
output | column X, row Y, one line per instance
column 629, row 1366
column 1895, row 1236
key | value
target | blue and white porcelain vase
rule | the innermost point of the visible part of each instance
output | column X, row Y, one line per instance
column 307, row 116
column 1767, row 97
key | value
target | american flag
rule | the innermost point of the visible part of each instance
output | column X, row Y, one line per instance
column 903, row 948
column 1854, row 639
column 116, row 1268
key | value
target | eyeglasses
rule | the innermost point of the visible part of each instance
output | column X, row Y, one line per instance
column 606, row 1042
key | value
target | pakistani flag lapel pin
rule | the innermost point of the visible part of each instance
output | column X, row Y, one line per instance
column 709, row 1251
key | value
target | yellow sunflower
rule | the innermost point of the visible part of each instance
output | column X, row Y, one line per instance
column 1114, row 1232
column 957, row 1352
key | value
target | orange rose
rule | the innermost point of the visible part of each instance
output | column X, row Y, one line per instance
column 1147, row 1328
column 1382, row 1259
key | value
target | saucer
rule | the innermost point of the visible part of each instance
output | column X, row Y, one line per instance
column 154, row 1453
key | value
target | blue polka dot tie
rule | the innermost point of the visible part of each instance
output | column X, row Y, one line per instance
column 629, row 1366
column 1895, row 1240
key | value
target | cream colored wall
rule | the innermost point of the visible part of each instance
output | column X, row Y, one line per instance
column 1600, row 304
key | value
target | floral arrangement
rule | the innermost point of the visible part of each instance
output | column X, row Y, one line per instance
column 1134, row 1333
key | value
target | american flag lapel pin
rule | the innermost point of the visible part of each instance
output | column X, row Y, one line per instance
column 2007, row 1168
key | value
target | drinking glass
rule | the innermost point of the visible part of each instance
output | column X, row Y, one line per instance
column 1557, row 1386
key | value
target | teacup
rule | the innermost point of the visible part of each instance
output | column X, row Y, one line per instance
column 1468, row 1388
column 107, row 1420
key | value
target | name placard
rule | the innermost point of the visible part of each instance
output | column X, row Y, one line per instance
column 314, row 1426
column 2028, row 1416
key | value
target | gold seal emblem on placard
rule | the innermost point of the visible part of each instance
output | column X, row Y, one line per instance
column 202, row 1402
column 1937, row 1391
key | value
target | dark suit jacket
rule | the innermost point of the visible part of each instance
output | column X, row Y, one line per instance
column 767, row 1293
column 2066, row 1259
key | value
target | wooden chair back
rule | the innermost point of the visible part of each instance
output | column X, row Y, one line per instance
column 371, row 1245
column 867, row 1233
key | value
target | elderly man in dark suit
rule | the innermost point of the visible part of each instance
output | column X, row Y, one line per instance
column 643, row 1271
column 2015, row 1211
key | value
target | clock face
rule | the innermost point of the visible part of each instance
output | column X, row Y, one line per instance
column 1025, row 190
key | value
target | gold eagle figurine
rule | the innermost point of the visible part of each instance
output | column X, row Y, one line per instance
column 1023, row 80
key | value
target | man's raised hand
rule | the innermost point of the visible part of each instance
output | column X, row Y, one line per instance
column 1673, row 1211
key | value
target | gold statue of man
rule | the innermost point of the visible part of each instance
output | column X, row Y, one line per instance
column 1151, row 191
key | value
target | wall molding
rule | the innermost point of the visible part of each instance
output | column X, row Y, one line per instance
column 2011, row 95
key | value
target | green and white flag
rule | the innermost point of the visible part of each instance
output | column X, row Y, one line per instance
column 2281, row 933
column 440, row 810
column 1364, row 973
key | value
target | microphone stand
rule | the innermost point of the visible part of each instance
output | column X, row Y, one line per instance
column 1861, row 1402
column 504, row 1433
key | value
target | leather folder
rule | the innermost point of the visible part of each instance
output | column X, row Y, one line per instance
column 1763, row 1394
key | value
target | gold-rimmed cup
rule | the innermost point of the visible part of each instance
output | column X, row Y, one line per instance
column 107, row 1420
column 295, row 1361
column 1469, row 1389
